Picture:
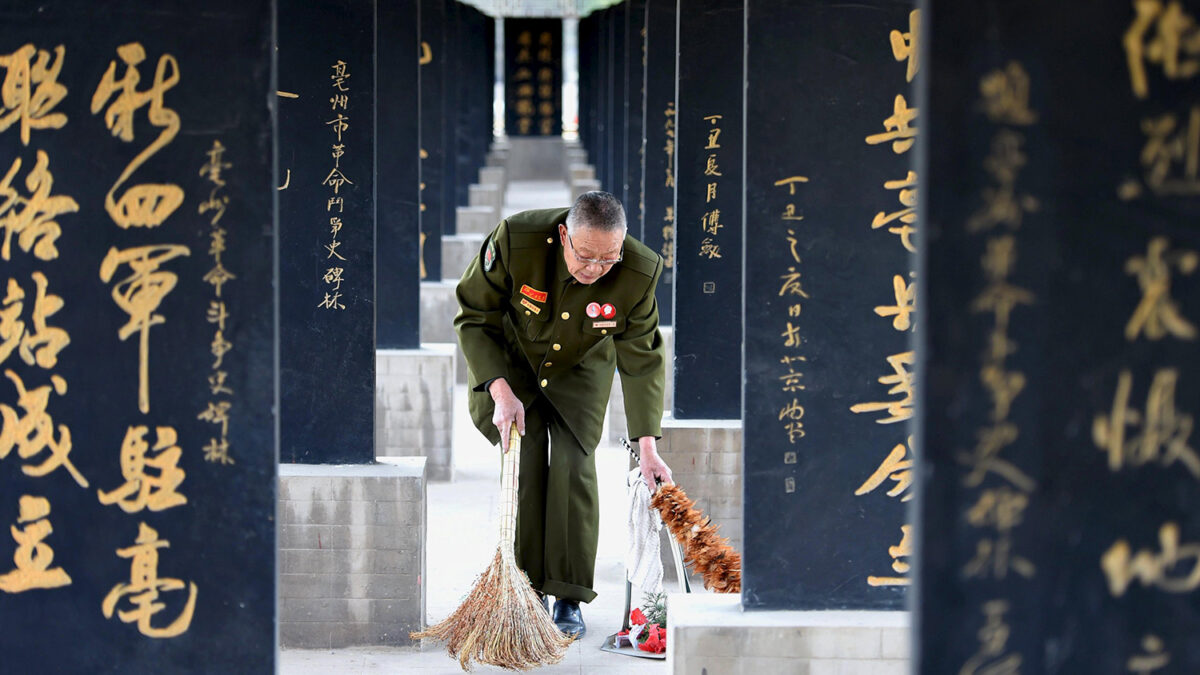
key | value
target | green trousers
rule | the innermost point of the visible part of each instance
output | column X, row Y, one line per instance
column 558, row 508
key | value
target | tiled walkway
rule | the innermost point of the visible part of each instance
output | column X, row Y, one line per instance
column 463, row 534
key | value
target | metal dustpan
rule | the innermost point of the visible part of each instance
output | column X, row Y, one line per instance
column 685, row 586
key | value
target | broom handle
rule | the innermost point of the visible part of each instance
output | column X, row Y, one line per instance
column 509, row 477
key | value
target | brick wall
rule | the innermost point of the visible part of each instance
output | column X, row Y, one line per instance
column 351, row 553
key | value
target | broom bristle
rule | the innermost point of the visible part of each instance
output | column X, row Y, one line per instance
column 501, row 623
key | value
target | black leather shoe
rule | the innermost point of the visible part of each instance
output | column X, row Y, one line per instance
column 568, row 618
column 545, row 601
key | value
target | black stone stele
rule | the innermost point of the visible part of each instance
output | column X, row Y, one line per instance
column 618, row 94
column 327, row 232
column 397, row 210
column 138, row 325
column 1060, row 482
column 533, row 77
column 660, row 128
column 828, row 390
column 708, row 208
column 635, row 90
column 434, row 56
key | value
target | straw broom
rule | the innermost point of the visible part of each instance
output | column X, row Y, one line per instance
column 502, row 622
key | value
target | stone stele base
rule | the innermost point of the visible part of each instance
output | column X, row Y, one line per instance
column 709, row 633
column 414, row 405
column 351, row 553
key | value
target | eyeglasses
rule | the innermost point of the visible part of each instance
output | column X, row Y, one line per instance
column 595, row 261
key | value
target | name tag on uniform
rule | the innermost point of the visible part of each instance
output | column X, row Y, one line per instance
column 532, row 293
column 604, row 324
column 530, row 306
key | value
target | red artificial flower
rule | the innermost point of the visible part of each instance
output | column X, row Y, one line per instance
column 656, row 643
column 637, row 618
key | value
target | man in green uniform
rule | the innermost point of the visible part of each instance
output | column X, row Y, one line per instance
column 555, row 302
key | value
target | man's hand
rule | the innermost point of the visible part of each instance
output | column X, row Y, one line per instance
column 651, row 464
column 508, row 410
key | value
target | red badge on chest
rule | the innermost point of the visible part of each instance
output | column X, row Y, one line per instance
column 608, row 310
column 532, row 293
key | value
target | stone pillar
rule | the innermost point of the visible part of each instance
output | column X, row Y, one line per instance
column 708, row 295
column 617, row 133
column 452, row 110
column 659, row 131
column 533, row 78
column 138, row 319
column 327, row 234
column 1058, row 485
column 829, row 311
column 433, row 60
column 352, row 554
column 635, row 91
column 398, row 316
column 414, row 398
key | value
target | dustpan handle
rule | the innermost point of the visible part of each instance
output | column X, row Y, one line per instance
column 510, row 471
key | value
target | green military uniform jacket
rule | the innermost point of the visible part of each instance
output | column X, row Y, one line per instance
column 523, row 317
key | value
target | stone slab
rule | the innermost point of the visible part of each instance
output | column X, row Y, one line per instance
column 414, row 400
column 489, row 195
column 438, row 307
column 581, row 186
column 476, row 219
column 352, row 553
column 711, row 632
column 494, row 175
column 535, row 159
column 580, row 172
column 457, row 251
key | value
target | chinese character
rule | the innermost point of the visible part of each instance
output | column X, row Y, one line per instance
column 711, row 193
column 219, row 348
column 142, row 490
column 1157, row 314
column 896, row 468
column 340, row 75
column 993, row 639
column 336, row 179
column 40, row 345
column 339, row 124
column 215, row 165
column 791, row 283
column 1175, row 570
column 1006, row 96
column 333, row 275
column 711, row 222
column 902, row 550
column 710, row 249
column 1168, row 144
column 34, row 433
column 1002, row 509
column 139, row 295
column 33, row 555
column 902, row 383
column 32, row 218
column 906, row 298
column 907, row 215
column 1165, row 430
column 986, row 458
column 898, row 130
column 31, row 90
column 906, row 46
column 331, row 301
column 145, row 586
column 217, row 451
column 791, row 414
column 146, row 205
column 1176, row 35
column 216, row 383
column 217, row 413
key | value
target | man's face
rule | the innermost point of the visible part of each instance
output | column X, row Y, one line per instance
column 590, row 244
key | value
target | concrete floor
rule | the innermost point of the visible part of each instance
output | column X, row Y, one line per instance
column 464, row 531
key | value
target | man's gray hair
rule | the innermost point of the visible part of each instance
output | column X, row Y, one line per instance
column 598, row 211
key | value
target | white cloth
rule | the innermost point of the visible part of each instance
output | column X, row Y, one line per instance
column 643, row 561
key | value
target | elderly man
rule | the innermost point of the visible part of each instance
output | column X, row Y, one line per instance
column 557, row 300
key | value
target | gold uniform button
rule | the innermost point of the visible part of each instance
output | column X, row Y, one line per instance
column 566, row 315
column 548, row 364
column 604, row 332
column 549, row 240
column 556, row 346
column 526, row 312
column 545, row 382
